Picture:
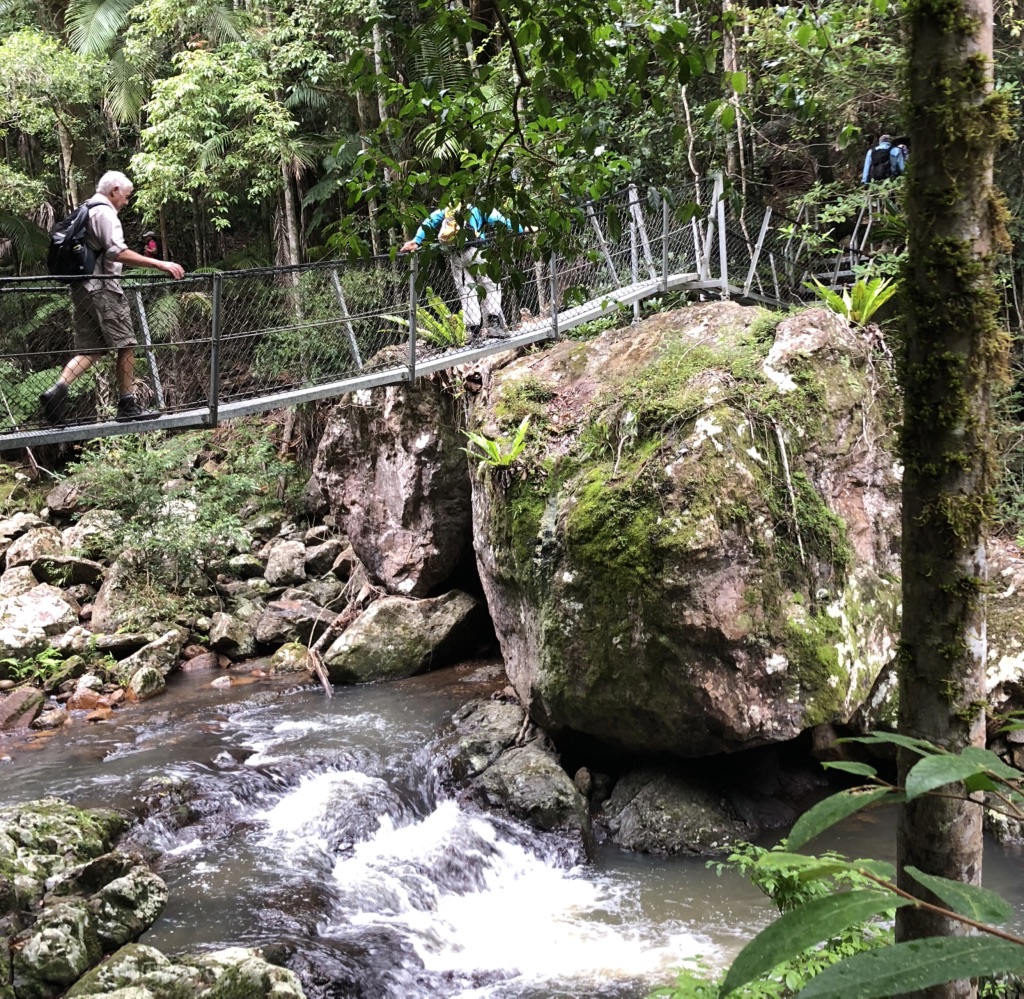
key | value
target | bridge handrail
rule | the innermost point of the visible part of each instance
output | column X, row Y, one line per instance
column 218, row 344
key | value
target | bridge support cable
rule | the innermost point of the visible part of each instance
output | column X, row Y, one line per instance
column 556, row 333
column 147, row 341
column 756, row 255
column 613, row 272
column 353, row 346
column 413, row 271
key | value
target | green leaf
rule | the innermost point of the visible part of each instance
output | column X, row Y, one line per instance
column 803, row 927
column 915, row 965
column 976, row 903
column 860, row 769
column 936, row 771
column 728, row 116
column 922, row 746
column 739, row 82
column 828, row 812
column 991, row 763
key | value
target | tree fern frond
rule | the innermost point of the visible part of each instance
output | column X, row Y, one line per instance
column 93, row 25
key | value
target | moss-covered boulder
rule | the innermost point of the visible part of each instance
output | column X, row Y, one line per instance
column 697, row 550
column 398, row 637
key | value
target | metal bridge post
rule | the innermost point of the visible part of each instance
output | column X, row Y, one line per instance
column 664, row 244
column 554, row 296
column 346, row 318
column 158, row 388
column 723, row 249
column 412, row 315
column 215, row 334
column 634, row 253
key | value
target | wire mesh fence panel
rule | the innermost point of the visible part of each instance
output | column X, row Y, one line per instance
column 266, row 337
column 174, row 321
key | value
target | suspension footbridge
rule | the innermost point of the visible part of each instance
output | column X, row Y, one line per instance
column 222, row 345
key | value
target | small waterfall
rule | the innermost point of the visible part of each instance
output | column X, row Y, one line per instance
column 317, row 830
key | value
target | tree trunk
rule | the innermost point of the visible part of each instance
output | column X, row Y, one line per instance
column 291, row 229
column 955, row 352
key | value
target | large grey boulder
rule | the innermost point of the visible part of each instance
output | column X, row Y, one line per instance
column 392, row 466
column 699, row 553
column 483, row 730
column 163, row 654
column 139, row 972
column 530, row 784
column 67, row 570
column 29, row 620
column 654, row 812
column 286, row 563
column 398, row 637
column 14, row 582
column 232, row 635
column 34, row 544
column 292, row 621
column 92, row 535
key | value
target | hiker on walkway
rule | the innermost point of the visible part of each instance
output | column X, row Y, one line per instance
column 883, row 161
column 479, row 293
column 100, row 314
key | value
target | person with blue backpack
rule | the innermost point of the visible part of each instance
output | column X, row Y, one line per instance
column 883, row 161
column 479, row 294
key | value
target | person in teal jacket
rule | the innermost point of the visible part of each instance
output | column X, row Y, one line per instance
column 479, row 294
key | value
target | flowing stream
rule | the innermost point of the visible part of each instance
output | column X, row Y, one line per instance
column 316, row 829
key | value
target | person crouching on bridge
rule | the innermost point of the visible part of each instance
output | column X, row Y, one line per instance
column 100, row 314
column 480, row 295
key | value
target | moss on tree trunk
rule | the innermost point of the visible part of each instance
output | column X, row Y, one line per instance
column 954, row 353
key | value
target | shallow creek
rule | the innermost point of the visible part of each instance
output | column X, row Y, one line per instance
column 317, row 829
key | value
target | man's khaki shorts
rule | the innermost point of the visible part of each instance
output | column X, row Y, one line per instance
column 102, row 320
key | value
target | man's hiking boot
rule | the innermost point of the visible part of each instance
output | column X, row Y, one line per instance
column 55, row 403
column 129, row 409
column 473, row 334
column 496, row 327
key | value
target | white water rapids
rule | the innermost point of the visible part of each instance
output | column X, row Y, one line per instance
column 318, row 830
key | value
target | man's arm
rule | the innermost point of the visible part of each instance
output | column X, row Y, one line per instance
column 866, row 173
column 432, row 221
column 127, row 256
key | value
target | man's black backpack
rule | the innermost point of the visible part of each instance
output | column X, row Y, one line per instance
column 881, row 163
column 69, row 255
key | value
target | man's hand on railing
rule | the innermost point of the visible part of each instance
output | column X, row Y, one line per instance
column 409, row 247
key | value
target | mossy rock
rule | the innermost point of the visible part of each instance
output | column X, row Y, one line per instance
column 699, row 554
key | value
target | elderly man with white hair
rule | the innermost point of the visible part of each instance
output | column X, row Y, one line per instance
column 101, row 317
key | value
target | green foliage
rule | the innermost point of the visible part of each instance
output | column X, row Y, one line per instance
column 858, row 303
column 180, row 497
column 828, row 943
column 500, row 453
column 38, row 669
column 436, row 324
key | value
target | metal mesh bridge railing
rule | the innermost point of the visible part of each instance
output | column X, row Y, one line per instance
column 213, row 346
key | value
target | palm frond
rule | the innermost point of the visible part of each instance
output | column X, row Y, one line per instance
column 23, row 238
column 222, row 25
column 213, row 150
column 305, row 97
column 128, row 85
column 93, row 25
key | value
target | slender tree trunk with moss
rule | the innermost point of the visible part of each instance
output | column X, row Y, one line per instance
column 955, row 352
